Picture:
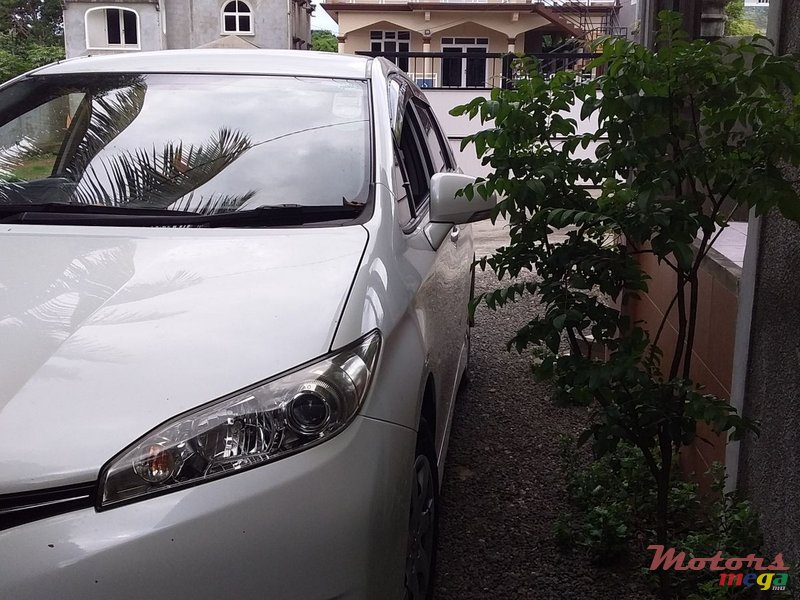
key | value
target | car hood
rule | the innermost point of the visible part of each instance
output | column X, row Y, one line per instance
column 105, row 333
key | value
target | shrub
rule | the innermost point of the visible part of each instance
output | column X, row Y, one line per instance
column 686, row 135
column 612, row 514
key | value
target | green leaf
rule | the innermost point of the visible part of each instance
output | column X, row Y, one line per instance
column 683, row 255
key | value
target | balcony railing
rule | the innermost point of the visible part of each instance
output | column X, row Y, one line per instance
column 477, row 69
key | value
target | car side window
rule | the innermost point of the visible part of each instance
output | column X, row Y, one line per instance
column 401, row 199
column 415, row 159
column 395, row 92
column 437, row 144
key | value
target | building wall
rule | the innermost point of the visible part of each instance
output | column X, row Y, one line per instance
column 498, row 26
column 150, row 27
column 457, row 128
column 359, row 40
column 176, row 24
column 628, row 16
column 179, row 24
column 302, row 24
column 713, row 350
column 769, row 466
column 440, row 24
column 498, row 41
column 192, row 23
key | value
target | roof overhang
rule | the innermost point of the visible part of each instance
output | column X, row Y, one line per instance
column 549, row 13
column 111, row 1
column 460, row 7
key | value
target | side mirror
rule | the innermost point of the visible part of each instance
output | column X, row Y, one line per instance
column 447, row 206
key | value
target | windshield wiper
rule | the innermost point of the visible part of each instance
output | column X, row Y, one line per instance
column 85, row 214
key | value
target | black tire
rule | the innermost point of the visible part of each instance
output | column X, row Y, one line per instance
column 423, row 522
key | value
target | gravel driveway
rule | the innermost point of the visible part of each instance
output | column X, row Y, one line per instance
column 502, row 487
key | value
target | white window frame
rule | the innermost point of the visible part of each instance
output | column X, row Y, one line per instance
column 122, row 45
column 236, row 14
column 473, row 43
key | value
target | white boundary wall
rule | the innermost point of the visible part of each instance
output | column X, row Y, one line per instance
column 456, row 128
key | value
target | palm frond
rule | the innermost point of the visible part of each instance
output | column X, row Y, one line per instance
column 114, row 315
column 158, row 178
column 174, row 282
column 14, row 157
column 110, row 116
column 214, row 204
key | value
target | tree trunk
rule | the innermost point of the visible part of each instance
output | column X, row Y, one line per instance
column 662, row 514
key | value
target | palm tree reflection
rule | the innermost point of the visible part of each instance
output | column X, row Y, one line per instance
column 43, row 311
column 84, row 172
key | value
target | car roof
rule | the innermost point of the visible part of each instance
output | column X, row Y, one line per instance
column 238, row 62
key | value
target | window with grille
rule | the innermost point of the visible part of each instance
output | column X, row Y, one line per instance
column 237, row 18
column 391, row 41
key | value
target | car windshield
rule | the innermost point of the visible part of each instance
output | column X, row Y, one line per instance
column 206, row 144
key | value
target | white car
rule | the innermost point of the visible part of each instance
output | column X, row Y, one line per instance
column 233, row 320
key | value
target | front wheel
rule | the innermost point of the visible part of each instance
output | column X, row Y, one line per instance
column 423, row 519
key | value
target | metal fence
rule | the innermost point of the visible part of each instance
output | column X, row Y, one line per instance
column 477, row 69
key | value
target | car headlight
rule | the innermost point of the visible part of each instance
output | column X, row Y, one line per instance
column 263, row 423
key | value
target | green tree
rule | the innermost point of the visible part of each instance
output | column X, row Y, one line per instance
column 35, row 21
column 324, row 41
column 17, row 57
column 738, row 24
column 31, row 35
column 685, row 135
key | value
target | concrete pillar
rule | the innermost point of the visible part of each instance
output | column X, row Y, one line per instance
column 341, row 39
column 427, row 63
column 767, row 466
column 712, row 18
column 512, row 45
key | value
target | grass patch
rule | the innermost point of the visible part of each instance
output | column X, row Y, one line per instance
column 32, row 168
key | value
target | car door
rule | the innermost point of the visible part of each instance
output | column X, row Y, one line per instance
column 442, row 298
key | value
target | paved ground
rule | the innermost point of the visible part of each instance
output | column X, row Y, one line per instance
column 502, row 488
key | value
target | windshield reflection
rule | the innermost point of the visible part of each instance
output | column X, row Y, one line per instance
column 207, row 144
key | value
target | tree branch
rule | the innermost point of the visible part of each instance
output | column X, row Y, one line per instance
column 664, row 319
